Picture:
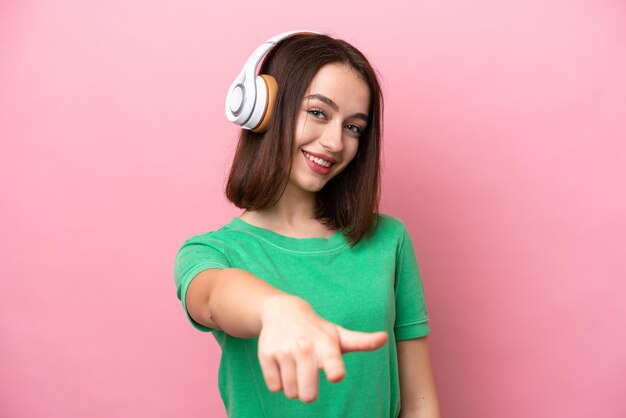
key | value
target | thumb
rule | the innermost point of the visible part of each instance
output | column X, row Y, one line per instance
column 360, row 341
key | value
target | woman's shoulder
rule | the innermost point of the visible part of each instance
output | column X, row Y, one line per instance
column 389, row 227
column 390, row 222
column 219, row 233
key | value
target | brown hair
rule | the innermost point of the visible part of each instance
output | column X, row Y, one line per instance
column 262, row 162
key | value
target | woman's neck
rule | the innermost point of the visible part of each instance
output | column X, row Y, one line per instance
column 293, row 215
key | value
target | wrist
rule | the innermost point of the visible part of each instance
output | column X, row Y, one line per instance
column 279, row 305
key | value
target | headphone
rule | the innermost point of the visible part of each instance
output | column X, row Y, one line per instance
column 250, row 98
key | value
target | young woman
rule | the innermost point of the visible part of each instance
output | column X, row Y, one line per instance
column 310, row 277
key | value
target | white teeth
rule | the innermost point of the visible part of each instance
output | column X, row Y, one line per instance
column 318, row 161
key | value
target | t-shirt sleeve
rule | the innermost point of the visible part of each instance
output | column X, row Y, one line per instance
column 197, row 254
column 411, row 313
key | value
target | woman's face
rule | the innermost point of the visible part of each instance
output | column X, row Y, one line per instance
column 331, row 118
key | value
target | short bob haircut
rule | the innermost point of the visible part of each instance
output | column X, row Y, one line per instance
column 262, row 162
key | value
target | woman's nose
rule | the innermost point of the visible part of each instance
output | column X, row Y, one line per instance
column 332, row 139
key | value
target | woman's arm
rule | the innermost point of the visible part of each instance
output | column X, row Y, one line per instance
column 231, row 300
column 417, row 384
column 294, row 342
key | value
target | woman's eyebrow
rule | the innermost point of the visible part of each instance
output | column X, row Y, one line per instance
column 334, row 106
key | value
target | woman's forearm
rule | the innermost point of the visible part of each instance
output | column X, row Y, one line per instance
column 237, row 300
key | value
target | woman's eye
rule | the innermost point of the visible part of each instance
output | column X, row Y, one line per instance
column 316, row 113
column 354, row 129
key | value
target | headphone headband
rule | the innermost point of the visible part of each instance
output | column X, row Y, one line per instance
column 249, row 98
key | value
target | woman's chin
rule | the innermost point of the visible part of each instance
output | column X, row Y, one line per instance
column 313, row 188
column 309, row 186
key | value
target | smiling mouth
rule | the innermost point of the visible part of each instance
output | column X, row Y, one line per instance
column 319, row 161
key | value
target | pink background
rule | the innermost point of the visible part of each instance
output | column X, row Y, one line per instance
column 505, row 155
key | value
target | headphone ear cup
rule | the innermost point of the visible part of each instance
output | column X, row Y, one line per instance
column 272, row 91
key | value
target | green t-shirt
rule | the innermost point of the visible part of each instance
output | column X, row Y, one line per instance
column 373, row 286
